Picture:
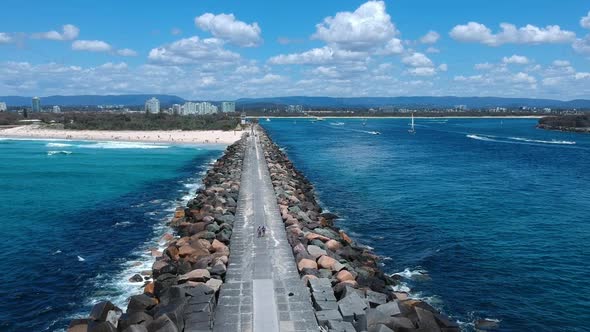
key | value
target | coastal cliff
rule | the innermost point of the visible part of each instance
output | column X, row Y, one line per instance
column 349, row 290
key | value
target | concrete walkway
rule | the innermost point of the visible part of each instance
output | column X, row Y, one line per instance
column 262, row 290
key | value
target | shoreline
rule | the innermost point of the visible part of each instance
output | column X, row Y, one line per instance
column 154, row 137
column 403, row 117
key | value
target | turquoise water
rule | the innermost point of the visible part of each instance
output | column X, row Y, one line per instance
column 484, row 218
column 77, row 220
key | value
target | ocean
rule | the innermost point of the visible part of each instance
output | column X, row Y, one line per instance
column 78, row 219
column 483, row 218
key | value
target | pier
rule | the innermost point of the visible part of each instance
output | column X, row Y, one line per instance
column 262, row 289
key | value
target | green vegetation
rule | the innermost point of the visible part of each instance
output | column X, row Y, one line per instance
column 566, row 122
column 126, row 121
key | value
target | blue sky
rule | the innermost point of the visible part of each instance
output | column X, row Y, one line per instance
column 227, row 50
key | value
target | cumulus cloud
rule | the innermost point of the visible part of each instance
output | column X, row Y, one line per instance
column 585, row 21
column 5, row 38
column 561, row 63
column 430, row 38
column 369, row 26
column 509, row 34
column 91, row 46
column 432, row 50
column 193, row 51
column 516, row 59
column 582, row 45
column 267, row 79
column 318, row 56
column 394, row 46
column 225, row 26
column 417, row 60
column 69, row 32
column 422, row 71
column 126, row 52
column 483, row 66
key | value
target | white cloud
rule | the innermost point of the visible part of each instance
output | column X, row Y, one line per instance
column 422, row 71
column 443, row 67
column 432, row 50
column 394, row 46
column 69, row 32
column 5, row 38
column 523, row 78
column 368, row 27
column 245, row 69
column 430, row 38
column 91, row 46
column 417, row 60
column 193, row 51
column 516, row 59
column 561, row 63
column 114, row 66
column 484, row 66
column 267, row 79
column 318, row 56
column 585, row 21
column 582, row 45
column 510, row 34
column 225, row 26
column 126, row 52
column 581, row 76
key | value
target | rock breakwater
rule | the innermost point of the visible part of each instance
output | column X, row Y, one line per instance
column 349, row 291
column 181, row 290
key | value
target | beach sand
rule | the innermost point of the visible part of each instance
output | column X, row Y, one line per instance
column 155, row 136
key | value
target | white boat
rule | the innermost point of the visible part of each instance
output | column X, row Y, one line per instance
column 374, row 133
column 412, row 130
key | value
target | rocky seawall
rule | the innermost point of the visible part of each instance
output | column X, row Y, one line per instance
column 180, row 292
column 349, row 290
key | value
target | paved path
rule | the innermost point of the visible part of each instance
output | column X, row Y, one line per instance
column 262, row 290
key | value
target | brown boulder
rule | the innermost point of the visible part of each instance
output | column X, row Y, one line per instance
column 344, row 275
column 333, row 245
column 201, row 275
column 307, row 264
column 345, row 237
column 327, row 262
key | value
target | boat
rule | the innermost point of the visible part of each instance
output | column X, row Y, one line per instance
column 412, row 130
column 374, row 133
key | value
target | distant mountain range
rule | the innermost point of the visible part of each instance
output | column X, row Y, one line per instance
column 328, row 102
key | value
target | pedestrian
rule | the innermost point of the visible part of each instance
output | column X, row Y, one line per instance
column 263, row 230
column 259, row 231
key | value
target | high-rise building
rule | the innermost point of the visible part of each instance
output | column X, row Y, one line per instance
column 152, row 106
column 56, row 109
column 36, row 104
column 189, row 108
column 228, row 107
column 176, row 109
column 3, row 107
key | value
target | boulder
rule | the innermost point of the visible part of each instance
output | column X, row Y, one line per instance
column 136, row 278
column 390, row 308
column 344, row 275
column 201, row 275
column 136, row 328
column 402, row 324
column 215, row 284
column 341, row 326
column 307, row 264
column 100, row 310
column 162, row 324
column 149, row 288
column 374, row 298
column 315, row 251
column 140, row 302
column 326, row 262
column 78, row 325
column 333, row 245
column 101, row 327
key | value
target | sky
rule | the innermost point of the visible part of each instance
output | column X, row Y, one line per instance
column 215, row 50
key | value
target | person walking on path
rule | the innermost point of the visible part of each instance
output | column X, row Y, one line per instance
column 263, row 230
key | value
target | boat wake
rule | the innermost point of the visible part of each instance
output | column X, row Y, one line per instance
column 518, row 140
column 541, row 141
column 337, row 123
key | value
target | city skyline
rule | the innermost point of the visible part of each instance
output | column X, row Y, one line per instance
column 224, row 51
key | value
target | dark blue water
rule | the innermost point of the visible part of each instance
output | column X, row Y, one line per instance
column 77, row 220
column 485, row 218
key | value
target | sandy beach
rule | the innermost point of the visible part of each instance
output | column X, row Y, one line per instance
column 155, row 136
